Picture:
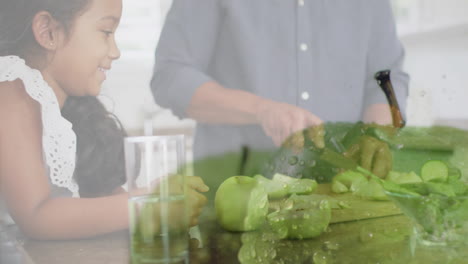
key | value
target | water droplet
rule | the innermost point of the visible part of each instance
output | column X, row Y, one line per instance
column 320, row 258
column 293, row 160
column 312, row 163
column 328, row 245
column 366, row 235
column 301, row 163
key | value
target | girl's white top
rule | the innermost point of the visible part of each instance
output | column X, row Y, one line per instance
column 58, row 138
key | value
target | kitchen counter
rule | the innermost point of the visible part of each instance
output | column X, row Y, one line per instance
column 378, row 240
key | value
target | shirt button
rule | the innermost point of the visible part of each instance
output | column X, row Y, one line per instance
column 300, row 2
column 303, row 47
column 305, row 96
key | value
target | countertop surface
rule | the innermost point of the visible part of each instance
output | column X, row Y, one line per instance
column 376, row 240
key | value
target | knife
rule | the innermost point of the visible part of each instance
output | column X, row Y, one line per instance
column 383, row 80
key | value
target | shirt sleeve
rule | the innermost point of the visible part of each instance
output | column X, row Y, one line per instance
column 385, row 52
column 184, row 52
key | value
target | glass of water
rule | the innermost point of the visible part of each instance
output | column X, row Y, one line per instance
column 155, row 168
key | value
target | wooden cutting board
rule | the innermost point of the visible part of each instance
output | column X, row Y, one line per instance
column 359, row 209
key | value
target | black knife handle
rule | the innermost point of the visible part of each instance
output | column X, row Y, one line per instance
column 383, row 79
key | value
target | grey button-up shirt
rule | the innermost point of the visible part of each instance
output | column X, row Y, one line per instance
column 317, row 54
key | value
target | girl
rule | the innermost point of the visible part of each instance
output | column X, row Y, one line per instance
column 57, row 141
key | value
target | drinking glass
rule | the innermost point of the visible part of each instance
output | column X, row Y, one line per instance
column 155, row 168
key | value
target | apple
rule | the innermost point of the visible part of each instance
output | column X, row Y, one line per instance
column 241, row 204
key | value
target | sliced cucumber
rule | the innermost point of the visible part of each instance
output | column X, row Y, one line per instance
column 434, row 170
column 372, row 190
column 303, row 186
column 348, row 181
column 338, row 187
column 274, row 189
column 296, row 186
column 403, row 177
column 278, row 177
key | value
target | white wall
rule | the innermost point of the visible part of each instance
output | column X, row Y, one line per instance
column 126, row 91
column 438, row 65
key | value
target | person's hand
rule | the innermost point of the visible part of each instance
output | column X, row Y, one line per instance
column 280, row 120
column 371, row 154
column 314, row 133
column 195, row 200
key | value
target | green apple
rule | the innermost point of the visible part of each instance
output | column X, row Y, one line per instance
column 241, row 204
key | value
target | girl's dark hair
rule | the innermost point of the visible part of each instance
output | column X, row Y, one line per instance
column 16, row 36
column 100, row 159
column 100, row 164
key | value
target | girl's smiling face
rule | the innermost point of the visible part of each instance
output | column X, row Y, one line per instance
column 85, row 53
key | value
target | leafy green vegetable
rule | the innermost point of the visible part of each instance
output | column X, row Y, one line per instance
column 438, row 204
column 299, row 156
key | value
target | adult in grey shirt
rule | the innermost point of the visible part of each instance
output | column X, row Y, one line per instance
column 251, row 72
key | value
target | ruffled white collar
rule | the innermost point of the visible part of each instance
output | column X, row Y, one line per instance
column 58, row 138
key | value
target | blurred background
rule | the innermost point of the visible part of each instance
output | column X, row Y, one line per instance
column 434, row 33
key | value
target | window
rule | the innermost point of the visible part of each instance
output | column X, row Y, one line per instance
column 415, row 16
column 140, row 27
